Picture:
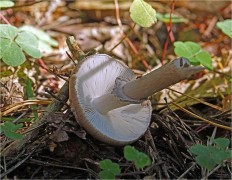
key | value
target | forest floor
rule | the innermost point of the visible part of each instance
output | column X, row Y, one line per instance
column 194, row 111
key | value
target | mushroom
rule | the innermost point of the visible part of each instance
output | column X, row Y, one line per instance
column 111, row 104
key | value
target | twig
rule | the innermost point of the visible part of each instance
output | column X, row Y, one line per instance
column 156, row 155
column 183, row 124
column 8, row 109
column 70, row 57
column 170, row 34
column 76, row 51
column 4, row 163
column 35, row 172
column 228, row 167
column 20, row 116
column 27, row 4
column 132, row 173
column 16, row 158
column 182, row 175
column 4, row 19
column 202, row 127
column 151, row 141
column 198, row 100
column 32, row 129
column 18, row 164
column 43, row 66
column 221, row 73
column 63, row 166
column 201, row 118
column 55, row 97
column 125, row 36
column 210, row 142
column 211, row 172
column 211, row 26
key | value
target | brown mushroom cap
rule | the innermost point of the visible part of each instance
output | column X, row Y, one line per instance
column 94, row 77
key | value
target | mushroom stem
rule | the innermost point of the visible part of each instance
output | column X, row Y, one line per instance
column 135, row 91
column 108, row 102
column 159, row 79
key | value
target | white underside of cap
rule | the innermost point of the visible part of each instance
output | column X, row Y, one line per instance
column 96, row 77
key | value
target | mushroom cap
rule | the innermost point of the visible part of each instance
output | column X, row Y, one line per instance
column 93, row 77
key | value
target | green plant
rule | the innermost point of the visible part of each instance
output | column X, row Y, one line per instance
column 110, row 169
column 45, row 42
column 13, row 42
column 194, row 53
column 6, row 4
column 210, row 156
column 142, row 13
column 226, row 27
column 9, row 129
column 166, row 18
column 139, row 158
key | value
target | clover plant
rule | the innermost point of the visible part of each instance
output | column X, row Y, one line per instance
column 110, row 169
column 9, row 130
column 13, row 44
column 194, row 53
column 210, row 156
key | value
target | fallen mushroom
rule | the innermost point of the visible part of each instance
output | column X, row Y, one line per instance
column 111, row 104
